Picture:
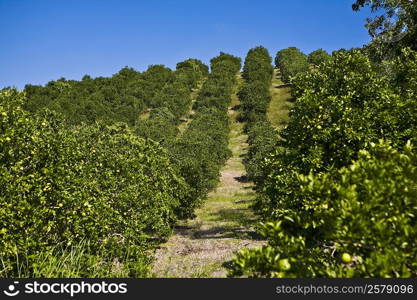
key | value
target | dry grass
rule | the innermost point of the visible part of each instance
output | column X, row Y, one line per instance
column 280, row 102
column 223, row 225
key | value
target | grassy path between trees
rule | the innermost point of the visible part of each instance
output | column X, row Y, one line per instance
column 280, row 101
column 224, row 224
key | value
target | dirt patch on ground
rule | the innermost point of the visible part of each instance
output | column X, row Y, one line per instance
column 223, row 225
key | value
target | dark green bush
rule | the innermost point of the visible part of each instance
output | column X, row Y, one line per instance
column 318, row 57
column 254, row 94
column 360, row 221
column 203, row 148
column 340, row 109
column 63, row 185
column 120, row 98
column 291, row 61
column 255, row 97
column 262, row 140
column 257, row 67
column 194, row 69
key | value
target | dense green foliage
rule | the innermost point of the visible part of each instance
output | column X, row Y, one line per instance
column 172, row 103
column 340, row 109
column 161, row 126
column 217, row 89
column 262, row 140
column 318, row 57
column 96, row 183
column 120, row 98
column 192, row 64
column 331, row 188
column 203, row 148
column 254, row 93
column 366, row 210
column 291, row 61
column 254, row 96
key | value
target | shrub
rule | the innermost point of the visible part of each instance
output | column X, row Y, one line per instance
column 366, row 212
column 203, row 148
column 263, row 140
column 318, row 57
column 195, row 70
column 96, row 183
column 255, row 98
column 336, row 202
column 291, row 61
column 257, row 67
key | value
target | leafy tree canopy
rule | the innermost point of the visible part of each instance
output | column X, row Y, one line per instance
column 318, row 57
column 394, row 27
column 291, row 61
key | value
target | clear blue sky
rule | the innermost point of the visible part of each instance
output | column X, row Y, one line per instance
column 42, row 40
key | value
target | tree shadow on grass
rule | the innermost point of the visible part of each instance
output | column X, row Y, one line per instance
column 224, row 232
column 283, row 86
column 283, row 123
column 236, row 107
column 243, row 201
column 242, row 179
column 239, row 224
column 291, row 100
